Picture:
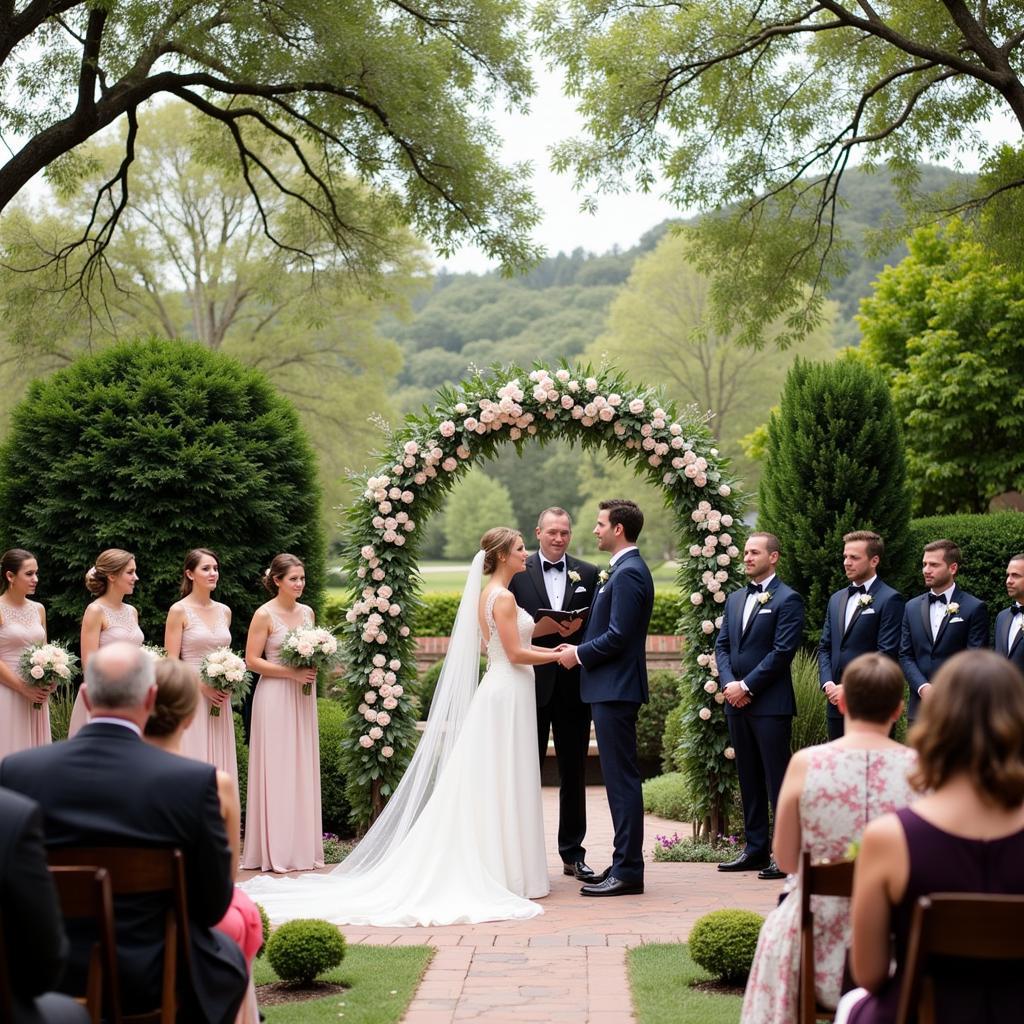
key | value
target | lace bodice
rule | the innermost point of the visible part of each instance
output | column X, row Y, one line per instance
column 121, row 625
column 21, row 628
column 198, row 639
column 524, row 622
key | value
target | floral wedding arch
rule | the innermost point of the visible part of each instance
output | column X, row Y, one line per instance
column 420, row 464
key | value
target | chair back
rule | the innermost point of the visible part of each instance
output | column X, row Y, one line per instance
column 972, row 926
column 136, row 870
column 84, row 892
column 827, row 879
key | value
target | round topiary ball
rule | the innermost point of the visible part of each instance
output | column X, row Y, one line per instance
column 300, row 950
column 158, row 447
column 723, row 943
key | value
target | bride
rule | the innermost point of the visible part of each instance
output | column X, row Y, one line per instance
column 462, row 838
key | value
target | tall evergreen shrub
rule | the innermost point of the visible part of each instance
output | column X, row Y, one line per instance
column 834, row 462
column 158, row 447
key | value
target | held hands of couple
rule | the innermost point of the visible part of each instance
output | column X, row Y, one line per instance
column 566, row 655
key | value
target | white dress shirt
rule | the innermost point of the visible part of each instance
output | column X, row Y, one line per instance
column 853, row 603
column 751, row 602
column 937, row 610
column 554, row 580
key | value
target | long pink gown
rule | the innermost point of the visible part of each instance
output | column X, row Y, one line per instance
column 208, row 738
column 122, row 625
column 283, row 827
column 21, row 727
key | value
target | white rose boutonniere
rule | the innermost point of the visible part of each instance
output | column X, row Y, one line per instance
column 952, row 608
column 864, row 600
column 764, row 597
column 602, row 577
column 574, row 576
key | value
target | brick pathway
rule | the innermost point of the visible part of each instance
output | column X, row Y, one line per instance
column 569, row 963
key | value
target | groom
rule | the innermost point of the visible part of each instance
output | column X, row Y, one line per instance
column 613, row 680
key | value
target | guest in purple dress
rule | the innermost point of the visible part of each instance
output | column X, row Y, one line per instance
column 107, row 619
column 197, row 625
column 965, row 835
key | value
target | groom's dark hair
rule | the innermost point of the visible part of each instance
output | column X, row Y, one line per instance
column 624, row 513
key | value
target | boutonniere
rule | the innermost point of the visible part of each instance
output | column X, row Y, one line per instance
column 764, row 597
column 574, row 576
column 952, row 608
column 864, row 600
column 602, row 576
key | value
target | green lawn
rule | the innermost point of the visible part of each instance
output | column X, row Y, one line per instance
column 660, row 977
column 381, row 982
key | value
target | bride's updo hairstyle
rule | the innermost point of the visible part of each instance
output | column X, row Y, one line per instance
column 177, row 696
column 496, row 543
column 278, row 569
column 110, row 563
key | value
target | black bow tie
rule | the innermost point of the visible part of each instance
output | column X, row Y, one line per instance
column 754, row 588
column 932, row 598
column 1016, row 609
column 557, row 566
column 853, row 589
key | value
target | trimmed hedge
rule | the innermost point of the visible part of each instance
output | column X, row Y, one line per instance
column 650, row 726
column 668, row 796
column 335, row 810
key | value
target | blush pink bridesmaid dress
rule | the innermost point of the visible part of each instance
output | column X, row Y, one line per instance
column 21, row 727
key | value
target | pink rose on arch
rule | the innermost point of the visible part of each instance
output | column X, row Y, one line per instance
column 606, row 414
column 447, row 428
column 636, row 406
column 567, row 402
column 614, row 400
column 390, row 703
column 449, row 464
column 376, row 733
column 397, row 691
column 365, row 742
column 383, row 718
column 411, row 448
column 387, row 751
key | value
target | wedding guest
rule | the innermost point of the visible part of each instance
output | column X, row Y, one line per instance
column 283, row 828
column 966, row 834
column 827, row 796
column 108, row 619
column 197, row 625
column 1010, row 621
column 22, row 625
column 864, row 616
column 938, row 623
column 760, row 635
column 177, row 703
column 106, row 787
column 555, row 579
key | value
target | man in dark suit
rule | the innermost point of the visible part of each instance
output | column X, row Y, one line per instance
column 613, row 681
column 36, row 945
column 554, row 579
column 938, row 623
column 107, row 787
column 1010, row 621
column 865, row 616
column 760, row 635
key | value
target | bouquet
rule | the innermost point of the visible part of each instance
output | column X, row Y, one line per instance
column 156, row 650
column 309, row 647
column 224, row 670
column 45, row 664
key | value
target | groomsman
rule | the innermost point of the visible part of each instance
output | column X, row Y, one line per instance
column 862, row 617
column 760, row 635
column 1010, row 621
column 554, row 579
column 938, row 623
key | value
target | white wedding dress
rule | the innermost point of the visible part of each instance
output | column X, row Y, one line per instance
column 475, row 850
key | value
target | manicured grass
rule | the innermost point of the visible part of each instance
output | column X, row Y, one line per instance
column 660, row 978
column 381, row 982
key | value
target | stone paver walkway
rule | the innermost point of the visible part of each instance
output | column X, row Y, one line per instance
column 569, row 963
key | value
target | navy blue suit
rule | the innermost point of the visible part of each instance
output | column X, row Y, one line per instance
column 873, row 628
column 761, row 656
column 613, row 681
column 1015, row 653
column 920, row 656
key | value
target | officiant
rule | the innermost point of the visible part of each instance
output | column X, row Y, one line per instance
column 555, row 579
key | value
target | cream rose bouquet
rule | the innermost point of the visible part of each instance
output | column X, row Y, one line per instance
column 309, row 647
column 45, row 665
column 224, row 670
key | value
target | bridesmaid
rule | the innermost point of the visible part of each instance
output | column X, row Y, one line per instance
column 22, row 624
column 108, row 618
column 283, row 829
column 197, row 625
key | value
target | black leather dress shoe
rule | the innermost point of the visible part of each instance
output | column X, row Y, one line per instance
column 745, row 862
column 771, row 873
column 579, row 871
column 613, row 886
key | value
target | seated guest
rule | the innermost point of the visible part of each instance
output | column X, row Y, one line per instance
column 33, row 927
column 828, row 794
column 106, row 787
column 965, row 835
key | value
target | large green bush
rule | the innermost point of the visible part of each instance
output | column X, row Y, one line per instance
column 158, row 447
column 723, row 943
column 300, row 950
column 650, row 726
column 335, row 809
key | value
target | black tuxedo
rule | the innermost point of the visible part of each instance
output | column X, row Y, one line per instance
column 559, row 708
column 873, row 628
column 761, row 655
column 106, row 787
column 921, row 656
column 1002, row 645
column 33, row 927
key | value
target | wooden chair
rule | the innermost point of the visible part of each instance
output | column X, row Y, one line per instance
column 973, row 926
column 136, row 870
column 816, row 880
column 84, row 892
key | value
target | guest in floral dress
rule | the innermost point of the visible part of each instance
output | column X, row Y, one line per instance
column 107, row 619
column 828, row 796
column 283, row 828
column 22, row 624
column 197, row 625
